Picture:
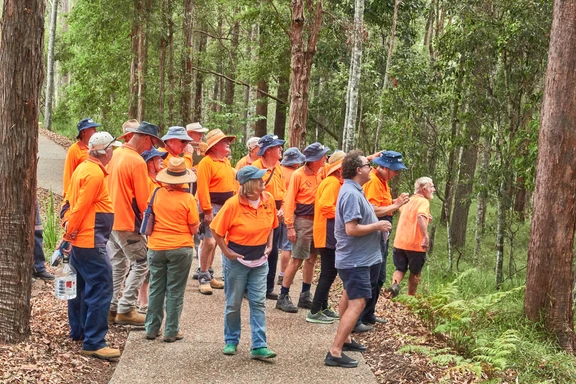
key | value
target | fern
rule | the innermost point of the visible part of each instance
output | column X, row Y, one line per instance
column 497, row 352
column 443, row 357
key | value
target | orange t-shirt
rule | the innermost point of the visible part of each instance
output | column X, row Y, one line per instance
column 187, row 159
column 77, row 153
column 325, row 212
column 377, row 191
column 242, row 163
column 276, row 186
column 408, row 234
column 175, row 210
column 216, row 181
column 287, row 173
column 299, row 198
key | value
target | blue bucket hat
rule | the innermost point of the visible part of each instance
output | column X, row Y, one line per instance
column 146, row 128
column 152, row 153
column 292, row 156
column 85, row 124
column 391, row 160
column 315, row 152
column 249, row 172
column 179, row 133
column 269, row 141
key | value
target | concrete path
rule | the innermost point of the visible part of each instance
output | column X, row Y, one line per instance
column 198, row 358
column 51, row 158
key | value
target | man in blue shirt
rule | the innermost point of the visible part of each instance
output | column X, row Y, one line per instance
column 357, row 231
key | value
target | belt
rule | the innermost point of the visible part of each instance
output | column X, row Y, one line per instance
column 305, row 217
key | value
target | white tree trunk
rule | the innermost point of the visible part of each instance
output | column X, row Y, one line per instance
column 482, row 198
column 50, row 71
column 354, row 78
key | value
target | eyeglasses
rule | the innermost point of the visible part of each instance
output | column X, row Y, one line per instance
column 112, row 142
column 366, row 165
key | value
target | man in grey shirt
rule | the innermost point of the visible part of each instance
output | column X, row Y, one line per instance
column 357, row 231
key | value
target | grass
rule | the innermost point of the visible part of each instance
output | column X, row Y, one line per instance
column 51, row 223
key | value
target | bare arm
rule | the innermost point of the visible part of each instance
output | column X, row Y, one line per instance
column 193, row 228
column 230, row 254
column 353, row 228
column 423, row 226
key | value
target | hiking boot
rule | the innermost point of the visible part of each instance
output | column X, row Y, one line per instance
column 111, row 317
column 360, row 328
column 230, row 349
column 343, row 361
column 105, row 353
column 354, row 346
column 305, row 300
column 44, row 275
column 271, row 296
column 280, row 280
column 205, row 286
column 331, row 313
column 143, row 309
column 153, row 336
column 319, row 318
column 262, row 353
column 216, row 284
column 285, row 304
column 394, row 289
column 171, row 339
column 195, row 274
column 130, row 318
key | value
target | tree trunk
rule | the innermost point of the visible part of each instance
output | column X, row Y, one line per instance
column 354, row 78
column 171, row 80
column 186, row 84
column 134, row 35
column 261, row 109
column 280, row 117
column 230, row 86
column 301, row 64
column 199, row 82
column 550, row 271
column 162, row 64
column 143, row 57
column 502, row 211
column 22, row 73
column 50, row 72
column 482, row 198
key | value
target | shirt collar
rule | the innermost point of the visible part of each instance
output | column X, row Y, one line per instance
column 82, row 145
column 244, row 201
column 353, row 184
column 98, row 163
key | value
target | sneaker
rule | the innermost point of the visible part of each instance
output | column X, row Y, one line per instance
column 230, row 349
column 360, row 328
column 394, row 289
column 262, row 353
column 280, row 280
column 195, row 274
column 285, row 304
column 44, row 275
column 319, row 317
column 130, row 318
column 216, row 284
column 105, row 353
column 305, row 300
column 343, row 361
column 171, row 339
column 354, row 346
column 330, row 313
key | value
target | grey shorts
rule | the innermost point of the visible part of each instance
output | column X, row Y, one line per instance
column 304, row 245
column 207, row 232
column 284, row 244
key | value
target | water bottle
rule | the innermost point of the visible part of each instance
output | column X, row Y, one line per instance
column 65, row 281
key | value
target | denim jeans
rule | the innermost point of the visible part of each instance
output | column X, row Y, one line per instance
column 237, row 279
column 88, row 312
column 169, row 271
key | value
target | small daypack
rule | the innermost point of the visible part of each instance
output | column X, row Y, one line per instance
column 149, row 218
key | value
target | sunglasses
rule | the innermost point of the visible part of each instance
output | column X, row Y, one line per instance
column 112, row 142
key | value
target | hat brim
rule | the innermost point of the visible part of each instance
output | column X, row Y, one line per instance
column 398, row 166
column 116, row 143
column 231, row 138
column 183, row 138
column 128, row 132
column 256, row 176
column 318, row 156
column 157, row 141
column 199, row 130
column 94, row 125
column 275, row 143
column 334, row 167
column 164, row 177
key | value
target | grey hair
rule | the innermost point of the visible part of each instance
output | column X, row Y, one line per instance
column 422, row 183
column 97, row 153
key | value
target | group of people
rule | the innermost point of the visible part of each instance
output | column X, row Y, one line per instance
column 132, row 212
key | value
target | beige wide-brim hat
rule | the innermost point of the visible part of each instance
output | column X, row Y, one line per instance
column 176, row 173
column 196, row 127
column 129, row 126
column 215, row 136
column 335, row 162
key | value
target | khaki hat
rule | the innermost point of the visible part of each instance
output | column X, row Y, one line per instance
column 196, row 127
column 215, row 136
column 176, row 173
column 252, row 143
column 129, row 126
column 335, row 162
column 102, row 140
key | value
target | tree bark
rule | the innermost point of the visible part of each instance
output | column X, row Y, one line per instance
column 171, row 80
column 261, row 109
column 50, row 72
column 481, row 201
column 186, row 85
column 133, row 89
column 22, row 73
column 162, row 63
column 301, row 64
column 199, row 81
column 143, row 30
column 230, row 86
column 280, row 117
column 550, row 271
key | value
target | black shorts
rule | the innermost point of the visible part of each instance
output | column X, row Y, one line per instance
column 404, row 260
column 356, row 282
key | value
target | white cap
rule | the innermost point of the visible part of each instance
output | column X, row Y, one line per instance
column 196, row 127
column 252, row 143
column 102, row 140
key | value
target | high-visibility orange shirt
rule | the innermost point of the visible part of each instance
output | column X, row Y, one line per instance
column 245, row 228
column 175, row 210
column 88, row 207
column 300, row 195
column 276, row 186
column 152, row 185
column 243, row 162
column 287, row 173
column 408, row 234
column 377, row 190
column 128, row 187
column 77, row 153
column 325, row 212
column 187, row 159
column 216, row 182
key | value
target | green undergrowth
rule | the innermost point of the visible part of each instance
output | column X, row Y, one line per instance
column 51, row 224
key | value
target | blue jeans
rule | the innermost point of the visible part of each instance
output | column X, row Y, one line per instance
column 88, row 312
column 237, row 279
column 169, row 271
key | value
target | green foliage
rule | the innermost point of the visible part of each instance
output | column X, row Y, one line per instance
column 51, row 224
column 444, row 357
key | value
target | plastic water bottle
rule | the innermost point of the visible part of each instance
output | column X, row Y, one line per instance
column 65, row 281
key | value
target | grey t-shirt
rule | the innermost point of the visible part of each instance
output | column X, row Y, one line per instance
column 355, row 251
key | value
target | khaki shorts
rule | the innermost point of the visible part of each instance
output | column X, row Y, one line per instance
column 304, row 245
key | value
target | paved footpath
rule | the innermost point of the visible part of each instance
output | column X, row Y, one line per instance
column 51, row 158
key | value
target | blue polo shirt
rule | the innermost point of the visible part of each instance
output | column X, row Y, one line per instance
column 355, row 251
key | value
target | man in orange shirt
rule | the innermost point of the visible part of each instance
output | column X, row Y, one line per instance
column 78, row 152
column 216, row 184
column 88, row 218
column 128, row 129
column 154, row 162
column 128, row 187
column 177, row 143
column 412, row 241
column 299, row 219
column 253, row 153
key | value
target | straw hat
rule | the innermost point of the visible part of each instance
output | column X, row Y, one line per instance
column 335, row 162
column 215, row 136
column 176, row 173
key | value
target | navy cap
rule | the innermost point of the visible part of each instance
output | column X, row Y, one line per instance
column 179, row 133
column 315, row 152
column 292, row 156
column 152, row 153
column 85, row 124
column 269, row 141
column 146, row 128
column 249, row 172
column 391, row 160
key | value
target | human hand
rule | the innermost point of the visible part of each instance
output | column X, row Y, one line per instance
column 188, row 149
column 384, row 226
column 425, row 243
column 402, row 199
column 280, row 213
column 231, row 255
column 291, row 235
column 267, row 250
column 208, row 217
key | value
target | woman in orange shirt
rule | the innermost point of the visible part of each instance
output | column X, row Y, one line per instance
column 170, row 249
